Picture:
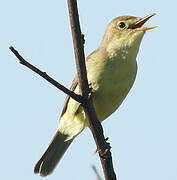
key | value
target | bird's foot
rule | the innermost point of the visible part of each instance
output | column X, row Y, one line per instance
column 91, row 93
column 104, row 154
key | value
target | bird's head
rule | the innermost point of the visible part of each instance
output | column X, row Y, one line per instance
column 125, row 32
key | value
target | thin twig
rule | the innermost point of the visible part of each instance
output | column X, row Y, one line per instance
column 78, row 48
column 96, row 172
column 86, row 100
column 75, row 96
column 94, row 124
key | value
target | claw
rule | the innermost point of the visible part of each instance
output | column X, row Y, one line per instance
column 96, row 151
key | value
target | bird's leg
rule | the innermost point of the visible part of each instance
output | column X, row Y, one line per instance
column 91, row 93
column 104, row 154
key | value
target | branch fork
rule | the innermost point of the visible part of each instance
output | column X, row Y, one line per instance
column 86, row 97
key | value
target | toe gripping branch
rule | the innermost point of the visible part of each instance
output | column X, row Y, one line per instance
column 106, row 153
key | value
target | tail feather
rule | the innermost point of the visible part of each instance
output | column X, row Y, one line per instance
column 53, row 154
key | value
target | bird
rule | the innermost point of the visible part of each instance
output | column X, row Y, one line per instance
column 111, row 71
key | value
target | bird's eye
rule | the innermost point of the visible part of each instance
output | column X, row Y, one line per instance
column 122, row 25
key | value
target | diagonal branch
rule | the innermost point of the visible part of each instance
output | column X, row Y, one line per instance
column 85, row 99
column 95, row 126
column 96, row 172
column 76, row 97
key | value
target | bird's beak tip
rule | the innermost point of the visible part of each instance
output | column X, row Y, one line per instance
column 140, row 23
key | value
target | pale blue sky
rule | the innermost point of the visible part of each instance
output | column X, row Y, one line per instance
column 142, row 132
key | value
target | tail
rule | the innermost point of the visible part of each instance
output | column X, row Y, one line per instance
column 53, row 154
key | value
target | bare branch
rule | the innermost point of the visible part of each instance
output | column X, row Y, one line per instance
column 85, row 98
column 78, row 47
column 95, row 125
column 76, row 97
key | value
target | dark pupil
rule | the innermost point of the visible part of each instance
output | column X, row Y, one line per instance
column 122, row 25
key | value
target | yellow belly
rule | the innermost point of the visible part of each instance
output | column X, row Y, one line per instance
column 110, row 85
column 111, row 93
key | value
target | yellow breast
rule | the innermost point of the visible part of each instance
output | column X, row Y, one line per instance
column 111, row 80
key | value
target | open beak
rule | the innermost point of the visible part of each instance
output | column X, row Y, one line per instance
column 139, row 24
